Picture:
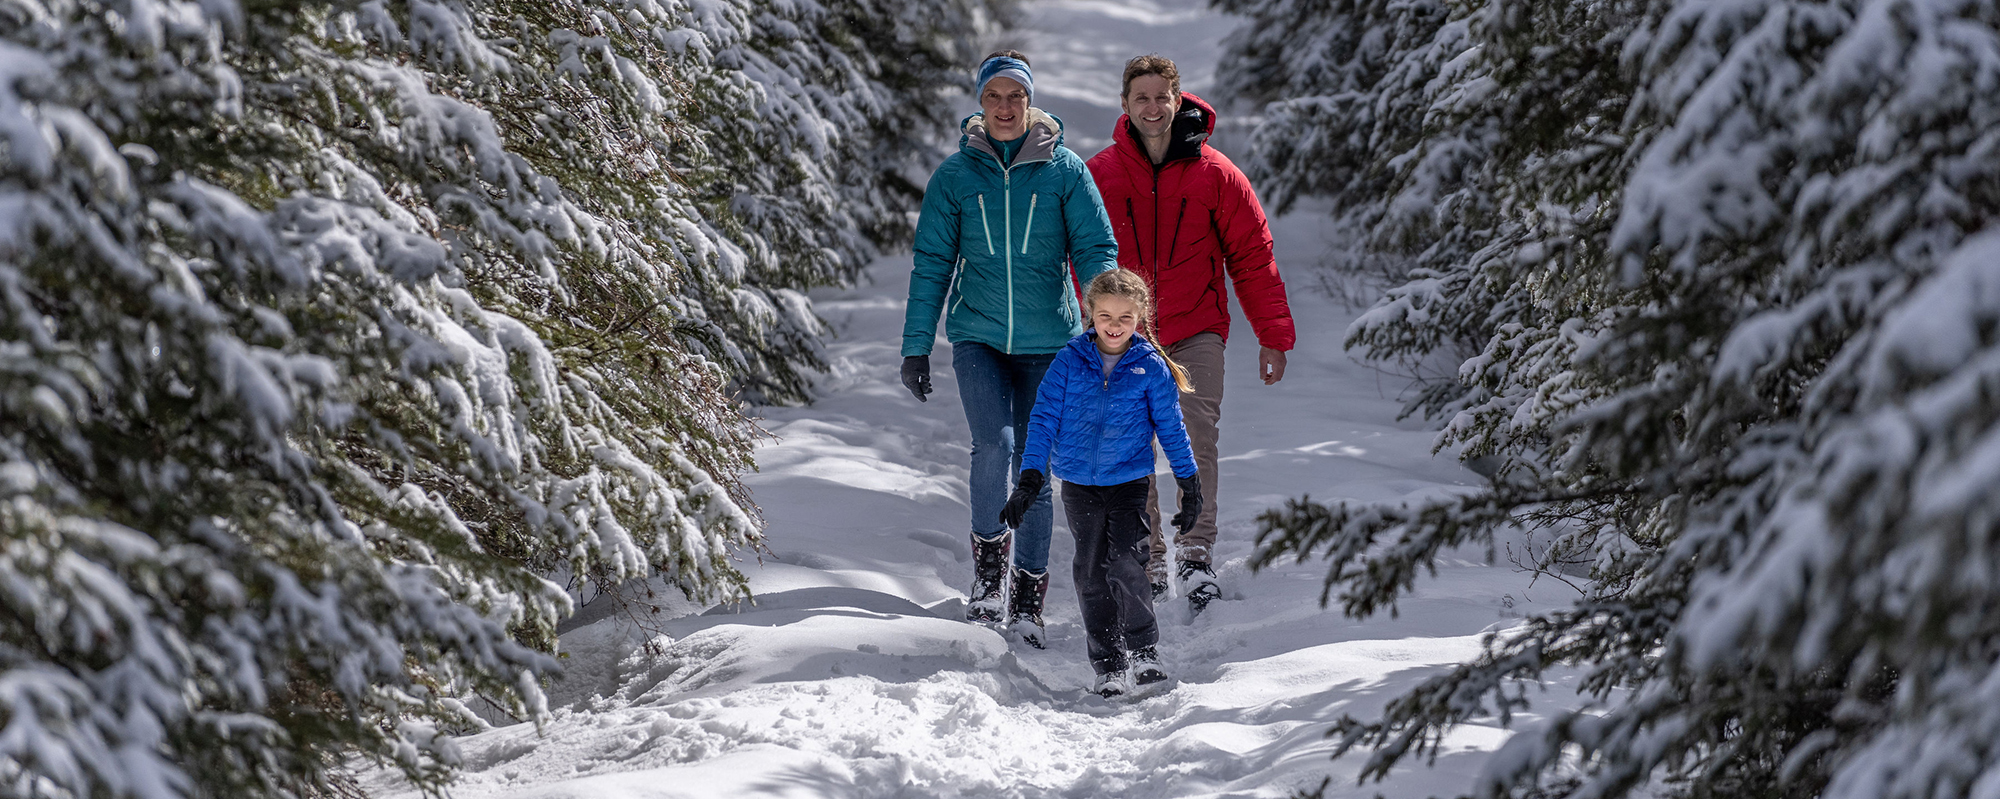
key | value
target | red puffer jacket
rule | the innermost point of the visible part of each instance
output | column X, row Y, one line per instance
column 1184, row 224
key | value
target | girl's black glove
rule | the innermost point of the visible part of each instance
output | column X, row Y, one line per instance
column 1025, row 491
column 917, row 376
column 1190, row 503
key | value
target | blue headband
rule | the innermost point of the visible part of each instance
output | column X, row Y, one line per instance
column 1007, row 67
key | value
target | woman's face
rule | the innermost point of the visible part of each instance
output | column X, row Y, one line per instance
column 1005, row 102
column 1116, row 319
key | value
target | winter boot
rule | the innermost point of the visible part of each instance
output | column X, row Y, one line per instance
column 987, row 601
column 1198, row 581
column 1110, row 684
column 1146, row 666
column 1159, row 585
column 1029, row 590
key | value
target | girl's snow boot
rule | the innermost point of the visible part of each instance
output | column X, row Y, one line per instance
column 1029, row 590
column 1146, row 666
column 1110, row 684
column 987, row 601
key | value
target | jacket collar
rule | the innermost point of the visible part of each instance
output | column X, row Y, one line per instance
column 1192, row 126
column 1045, row 134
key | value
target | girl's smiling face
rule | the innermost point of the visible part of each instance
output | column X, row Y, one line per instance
column 1115, row 319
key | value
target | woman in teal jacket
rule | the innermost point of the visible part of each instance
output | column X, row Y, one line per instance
column 1006, row 220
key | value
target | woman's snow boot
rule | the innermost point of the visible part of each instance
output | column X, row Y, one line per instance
column 987, row 601
column 1029, row 590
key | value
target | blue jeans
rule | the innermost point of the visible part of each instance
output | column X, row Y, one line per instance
column 999, row 392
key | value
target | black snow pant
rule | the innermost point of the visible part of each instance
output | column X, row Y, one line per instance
column 1110, row 526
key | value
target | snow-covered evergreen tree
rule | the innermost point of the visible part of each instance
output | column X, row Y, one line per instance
column 813, row 117
column 333, row 330
column 1733, row 268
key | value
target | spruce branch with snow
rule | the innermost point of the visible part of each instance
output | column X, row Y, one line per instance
column 332, row 331
column 1731, row 271
column 813, row 117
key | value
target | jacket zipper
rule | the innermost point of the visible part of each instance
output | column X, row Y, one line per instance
column 1007, row 242
column 1028, row 229
column 1104, row 396
column 1134, row 219
column 1154, row 316
column 1173, row 241
column 956, row 274
column 985, row 224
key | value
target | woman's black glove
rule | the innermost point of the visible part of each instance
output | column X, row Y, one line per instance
column 917, row 375
column 1025, row 491
column 1190, row 503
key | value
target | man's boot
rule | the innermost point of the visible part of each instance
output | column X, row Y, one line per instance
column 1029, row 590
column 987, row 601
column 1156, row 572
column 1198, row 584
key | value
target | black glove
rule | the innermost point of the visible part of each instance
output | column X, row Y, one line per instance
column 1190, row 503
column 1025, row 491
column 917, row 375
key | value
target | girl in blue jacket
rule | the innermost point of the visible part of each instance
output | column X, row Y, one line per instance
column 1005, row 220
column 1108, row 394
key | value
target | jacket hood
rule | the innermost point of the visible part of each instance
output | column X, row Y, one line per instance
column 1193, row 124
column 1045, row 134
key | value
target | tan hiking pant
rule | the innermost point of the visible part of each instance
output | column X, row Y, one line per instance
column 1201, row 355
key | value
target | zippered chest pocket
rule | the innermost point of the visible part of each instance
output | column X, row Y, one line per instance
column 985, row 225
column 1028, row 231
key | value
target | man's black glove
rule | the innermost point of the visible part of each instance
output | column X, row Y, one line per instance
column 917, row 375
column 1190, row 503
column 1025, row 491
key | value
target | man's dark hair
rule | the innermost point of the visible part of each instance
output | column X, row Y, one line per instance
column 1014, row 54
column 1151, row 64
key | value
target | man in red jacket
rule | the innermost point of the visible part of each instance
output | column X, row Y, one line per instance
column 1187, row 222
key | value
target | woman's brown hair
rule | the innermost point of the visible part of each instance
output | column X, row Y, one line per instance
column 1013, row 54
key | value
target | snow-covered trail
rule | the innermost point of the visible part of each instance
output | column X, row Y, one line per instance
column 851, row 675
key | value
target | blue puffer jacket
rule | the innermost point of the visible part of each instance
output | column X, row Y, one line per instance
column 1102, row 428
column 995, row 244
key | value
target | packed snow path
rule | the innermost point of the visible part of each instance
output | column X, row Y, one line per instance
column 851, row 675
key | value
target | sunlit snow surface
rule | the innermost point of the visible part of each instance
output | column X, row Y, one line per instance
column 851, row 676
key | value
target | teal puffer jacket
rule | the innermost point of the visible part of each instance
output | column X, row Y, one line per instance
column 995, row 245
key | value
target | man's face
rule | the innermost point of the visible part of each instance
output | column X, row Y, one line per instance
column 1151, row 103
column 1005, row 102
